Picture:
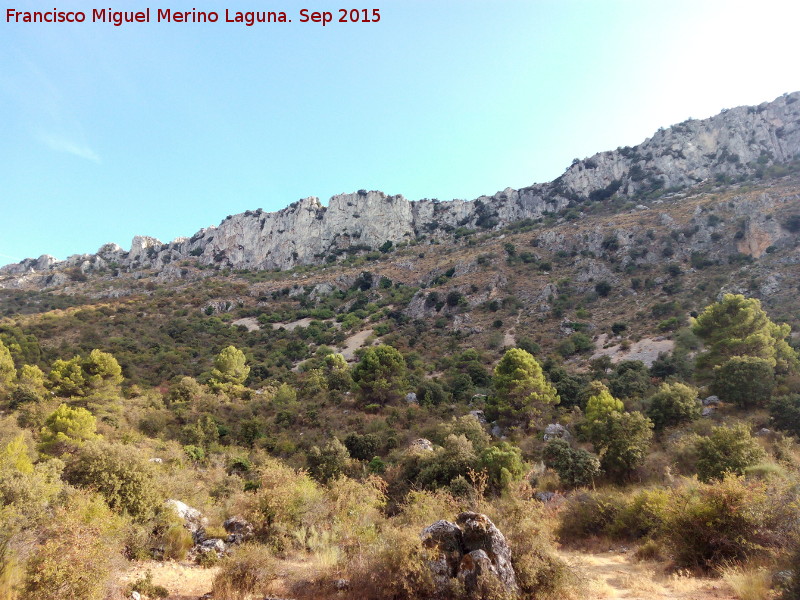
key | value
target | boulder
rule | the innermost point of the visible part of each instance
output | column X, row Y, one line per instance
column 422, row 444
column 239, row 530
column 469, row 550
column 474, row 565
column 193, row 520
column 212, row 545
column 481, row 534
column 711, row 401
column 446, row 539
column 478, row 414
column 411, row 398
column 556, row 431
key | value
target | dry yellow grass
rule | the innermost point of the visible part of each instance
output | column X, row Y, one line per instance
column 617, row 575
column 748, row 583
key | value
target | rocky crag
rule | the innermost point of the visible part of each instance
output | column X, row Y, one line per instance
column 733, row 145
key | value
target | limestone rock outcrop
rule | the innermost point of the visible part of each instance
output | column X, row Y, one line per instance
column 736, row 143
column 470, row 550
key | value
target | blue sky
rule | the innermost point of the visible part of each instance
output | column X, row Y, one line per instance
column 162, row 129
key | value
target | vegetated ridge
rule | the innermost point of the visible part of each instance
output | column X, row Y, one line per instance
column 605, row 362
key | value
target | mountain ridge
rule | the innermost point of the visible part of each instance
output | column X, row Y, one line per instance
column 732, row 145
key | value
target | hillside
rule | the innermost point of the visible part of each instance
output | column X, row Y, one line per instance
column 298, row 399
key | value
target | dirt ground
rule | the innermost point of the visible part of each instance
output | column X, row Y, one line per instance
column 608, row 575
column 618, row 575
column 185, row 581
column 353, row 343
column 645, row 350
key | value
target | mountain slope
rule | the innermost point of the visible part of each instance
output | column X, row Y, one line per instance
column 737, row 144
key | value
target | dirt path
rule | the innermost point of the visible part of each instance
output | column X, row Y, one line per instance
column 353, row 343
column 617, row 575
column 185, row 581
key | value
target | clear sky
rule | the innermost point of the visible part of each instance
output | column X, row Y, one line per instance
column 162, row 129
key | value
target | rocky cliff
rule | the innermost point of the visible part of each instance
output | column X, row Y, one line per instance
column 733, row 145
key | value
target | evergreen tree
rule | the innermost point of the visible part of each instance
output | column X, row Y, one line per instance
column 738, row 326
column 521, row 389
column 7, row 371
column 380, row 374
column 230, row 366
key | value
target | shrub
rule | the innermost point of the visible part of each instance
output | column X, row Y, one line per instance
column 673, row 404
column 643, row 515
column 603, row 288
column 144, row 585
column 746, row 380
column 503, row 464
column 575, row 467
column 785, row 413
column 631, row 378
column 521, row 389
column 120, row 474
column 622, row 441
column 394, row 566
column 589, row 514
column 67, row 427
column 247, row 572
column 708, row 524
column 176, row 541
column 381, row 374
column 329, row 462
column 540, row 572
column 362, row 447
column 726, row 450
column 77, row 559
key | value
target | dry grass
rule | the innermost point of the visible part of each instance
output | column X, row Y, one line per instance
column 617, row 575
column 747, row 583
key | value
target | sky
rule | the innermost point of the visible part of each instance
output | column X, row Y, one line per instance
column 162, row 129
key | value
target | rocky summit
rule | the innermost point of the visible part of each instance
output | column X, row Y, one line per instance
column 731, row 146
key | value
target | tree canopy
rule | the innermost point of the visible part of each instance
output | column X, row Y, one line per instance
column 521, row 389
column 380, row 374
column 738, row 326
column 230, row 366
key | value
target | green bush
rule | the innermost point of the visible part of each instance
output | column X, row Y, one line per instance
column 575, row 467
column 66, row 428
column 631, row 378
column 672, row 404
column 622, row 441
column 785, row 413
column 121, row 474
column 521, row 389
column 745, row 380
column 328, row 462
column 643, row 515
column 726, row 450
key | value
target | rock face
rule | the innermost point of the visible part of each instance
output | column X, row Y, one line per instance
column 736, row 143
column 193, row 520
column 469, row 550
column 239, row 530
